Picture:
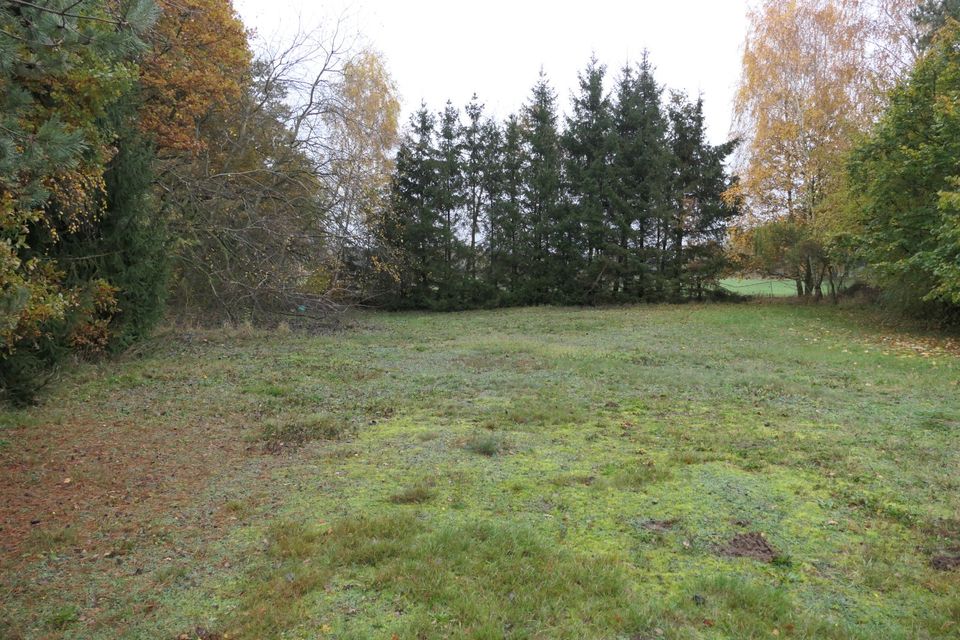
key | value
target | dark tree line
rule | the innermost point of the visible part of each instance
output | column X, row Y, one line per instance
column 622, row 201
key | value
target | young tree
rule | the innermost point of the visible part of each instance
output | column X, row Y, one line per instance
column 363, row 134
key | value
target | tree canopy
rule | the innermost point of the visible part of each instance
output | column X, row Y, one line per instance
column 908, row 174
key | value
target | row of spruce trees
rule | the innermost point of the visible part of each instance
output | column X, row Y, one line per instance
column 624, row 202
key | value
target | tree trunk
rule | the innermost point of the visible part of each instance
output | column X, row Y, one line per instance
column 833, row 285
column 818, row 283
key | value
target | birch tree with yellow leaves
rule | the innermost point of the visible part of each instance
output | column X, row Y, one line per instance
column 815, row 76
column 363, row 134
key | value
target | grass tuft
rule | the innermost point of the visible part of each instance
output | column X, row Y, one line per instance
column 296, row 430
column 473, row 580
column 414, row 494
column 738, row 607
column 486, row 444
column 636, row 475
column 51, row 540
column 63, row 617
column 573, row 480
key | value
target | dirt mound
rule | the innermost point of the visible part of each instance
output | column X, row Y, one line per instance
column 749, row 545
column 945, row 563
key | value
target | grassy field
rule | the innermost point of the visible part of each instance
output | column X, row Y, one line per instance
column 726, row 471
column 760, row 287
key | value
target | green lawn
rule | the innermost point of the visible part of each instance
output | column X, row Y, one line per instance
column 723, row 471
column 761, row 287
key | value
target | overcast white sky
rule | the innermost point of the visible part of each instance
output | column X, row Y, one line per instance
column 440, row 49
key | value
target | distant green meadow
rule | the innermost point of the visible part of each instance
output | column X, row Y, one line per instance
column 761, row 287
column 682, row 472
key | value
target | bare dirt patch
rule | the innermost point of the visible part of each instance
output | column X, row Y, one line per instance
column 944, row 529
column 660, row 526
column 200, row 634
column 749, row 545
column 945, row 563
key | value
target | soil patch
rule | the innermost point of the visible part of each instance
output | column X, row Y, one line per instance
column 200, row 634
column 945, row 563
column 660, row 526
column 944, row 528
column 749, row 545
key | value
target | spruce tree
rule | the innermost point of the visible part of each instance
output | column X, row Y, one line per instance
column 509, row 235
column 476, row 166
column 625, row 204
column 128, row 249
column 641, row 167
column 413, row 231
column 589, row 145
column 449, row 202
column 542, row 192
column 699, row 214
column 491, row 164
